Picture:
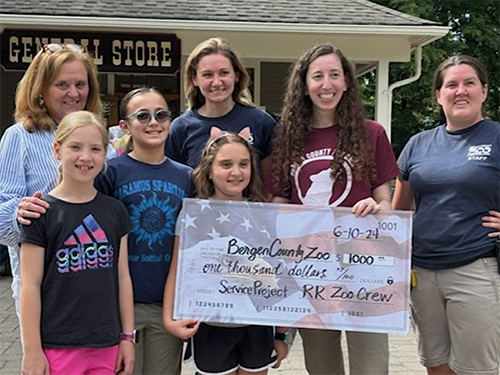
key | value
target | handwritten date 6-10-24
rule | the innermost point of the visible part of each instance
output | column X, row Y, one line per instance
column 369, row 234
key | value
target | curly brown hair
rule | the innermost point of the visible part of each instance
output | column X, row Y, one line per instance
column 293, row 128
column 201, row 175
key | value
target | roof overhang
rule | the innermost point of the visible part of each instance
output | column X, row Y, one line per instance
column 277, row 41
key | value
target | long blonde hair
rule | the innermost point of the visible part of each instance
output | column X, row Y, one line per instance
column 241, row 93
column 42, row 71
column 76, row 120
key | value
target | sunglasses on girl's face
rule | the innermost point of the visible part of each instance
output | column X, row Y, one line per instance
column 144, row 117
column 54, row 47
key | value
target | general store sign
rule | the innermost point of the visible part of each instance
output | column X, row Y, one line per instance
column 113, row 52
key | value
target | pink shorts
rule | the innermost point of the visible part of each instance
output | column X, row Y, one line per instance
column 80, row 361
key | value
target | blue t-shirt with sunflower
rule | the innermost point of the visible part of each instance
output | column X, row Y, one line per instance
column 153, row 196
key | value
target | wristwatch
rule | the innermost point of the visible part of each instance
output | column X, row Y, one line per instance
column 283, row 336
column 130, row 337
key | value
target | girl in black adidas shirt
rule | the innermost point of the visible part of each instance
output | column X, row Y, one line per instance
column 76, row 295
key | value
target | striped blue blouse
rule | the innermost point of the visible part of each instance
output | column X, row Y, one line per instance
column 27, row 165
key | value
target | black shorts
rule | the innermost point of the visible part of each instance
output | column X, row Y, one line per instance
column 221, row 350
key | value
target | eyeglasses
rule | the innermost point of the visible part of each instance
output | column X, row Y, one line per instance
column 54, row 47
column 144, row 117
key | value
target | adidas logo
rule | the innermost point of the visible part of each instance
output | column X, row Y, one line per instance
column 86, row 249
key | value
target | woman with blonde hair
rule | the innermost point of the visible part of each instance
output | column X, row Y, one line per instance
column 216, row 85
column 61, row 79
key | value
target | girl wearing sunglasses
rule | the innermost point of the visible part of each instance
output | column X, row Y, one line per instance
column 152, row 187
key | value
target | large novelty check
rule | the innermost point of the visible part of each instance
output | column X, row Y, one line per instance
column 293, row 266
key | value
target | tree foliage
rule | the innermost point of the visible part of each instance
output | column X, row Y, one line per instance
column 474, row 30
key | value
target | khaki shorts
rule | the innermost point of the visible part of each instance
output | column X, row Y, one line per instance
column 456, row 316
column 157, row 351
column 368, row 352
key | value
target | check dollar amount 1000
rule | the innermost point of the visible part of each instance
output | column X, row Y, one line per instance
column 317, row 267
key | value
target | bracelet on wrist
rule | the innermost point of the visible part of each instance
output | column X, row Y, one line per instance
column 286, row 337
column 129, row 336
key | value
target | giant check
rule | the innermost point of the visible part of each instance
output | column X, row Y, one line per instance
column 293, row 266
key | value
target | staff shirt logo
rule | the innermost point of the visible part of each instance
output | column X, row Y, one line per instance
column 480, row 152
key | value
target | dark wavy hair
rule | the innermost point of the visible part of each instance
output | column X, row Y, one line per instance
column 293, row 129
column 204, row 187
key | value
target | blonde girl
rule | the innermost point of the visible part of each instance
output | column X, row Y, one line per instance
column 76, row 295
column 227, row 171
